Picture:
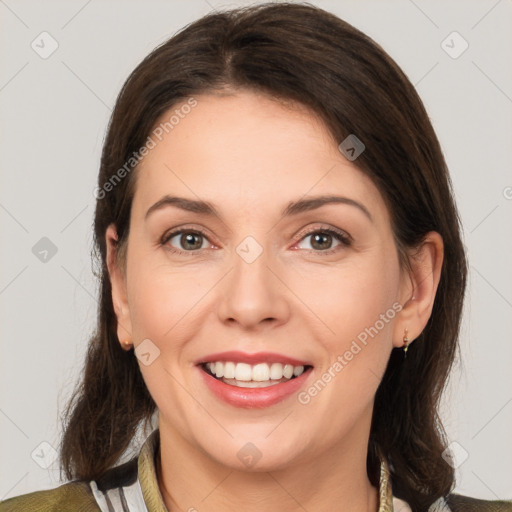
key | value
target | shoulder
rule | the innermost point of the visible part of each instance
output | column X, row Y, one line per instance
column 457, row 503
column 75, row 496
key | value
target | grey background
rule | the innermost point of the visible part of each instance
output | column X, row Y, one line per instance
column 54, row 114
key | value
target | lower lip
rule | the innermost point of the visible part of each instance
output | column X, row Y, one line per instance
column 253, row 398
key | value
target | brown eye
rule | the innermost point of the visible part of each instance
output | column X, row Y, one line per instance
column 323, row 240
column 185, row 240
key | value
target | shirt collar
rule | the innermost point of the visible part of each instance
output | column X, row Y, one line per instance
column 155, row 503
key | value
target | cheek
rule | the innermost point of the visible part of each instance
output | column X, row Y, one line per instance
column 163, row 304
column 355, row 304
column 357, row 307
column 350, row 298
column 162, row 293
column 161, row 301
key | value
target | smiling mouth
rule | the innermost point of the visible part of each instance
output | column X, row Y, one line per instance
column 261, row 375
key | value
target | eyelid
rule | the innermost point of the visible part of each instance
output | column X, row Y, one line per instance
column 320, row 227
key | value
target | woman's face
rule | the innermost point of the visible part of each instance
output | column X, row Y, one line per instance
column 273, row 281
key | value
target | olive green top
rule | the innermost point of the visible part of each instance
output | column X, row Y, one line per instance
column 133, row 487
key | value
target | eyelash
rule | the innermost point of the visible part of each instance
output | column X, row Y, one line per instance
column 342, row 237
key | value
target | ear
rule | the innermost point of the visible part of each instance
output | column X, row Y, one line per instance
column 118, row 284
column 418, row 288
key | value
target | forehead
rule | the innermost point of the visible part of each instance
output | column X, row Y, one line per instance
column 247, row 149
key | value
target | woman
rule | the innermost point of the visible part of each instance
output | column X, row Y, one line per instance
column 276, row 227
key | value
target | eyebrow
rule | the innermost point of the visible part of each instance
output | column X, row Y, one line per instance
column 293, row 208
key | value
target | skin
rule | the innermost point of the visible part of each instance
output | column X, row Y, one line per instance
column 250, row 156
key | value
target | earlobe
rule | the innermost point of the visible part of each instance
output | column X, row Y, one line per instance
column 419, row 287
column 118, row 285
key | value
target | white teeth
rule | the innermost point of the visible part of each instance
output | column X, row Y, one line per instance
column 243, row 371
column 276, row 371
column 219, row 369
column 229, row 370
column 288, row 371
column 260, row 372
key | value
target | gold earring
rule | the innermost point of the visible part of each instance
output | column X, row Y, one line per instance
column 127, row 344
column 406, row 343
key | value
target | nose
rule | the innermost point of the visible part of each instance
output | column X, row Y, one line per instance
column 253, row 294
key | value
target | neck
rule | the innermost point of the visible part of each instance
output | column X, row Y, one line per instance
column 336, row 480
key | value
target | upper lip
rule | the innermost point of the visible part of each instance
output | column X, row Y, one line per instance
column 254, row 358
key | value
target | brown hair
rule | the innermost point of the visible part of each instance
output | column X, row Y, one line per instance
column 301, row 53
